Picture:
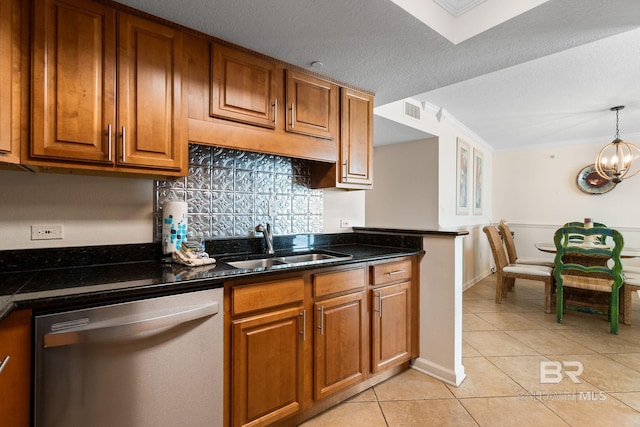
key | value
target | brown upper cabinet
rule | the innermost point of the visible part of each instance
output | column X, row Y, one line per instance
column 12, row 84
column 107, row 90
column 354, row 167
column 112, row 89
column 239, row 99
column 356, row 140
column 312, row 106
column 244, row 87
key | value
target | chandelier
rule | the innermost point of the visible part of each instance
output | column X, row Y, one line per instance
column 614, row 161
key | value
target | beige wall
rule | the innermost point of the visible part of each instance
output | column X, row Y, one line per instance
column 405, row 190
column 535, row 191
column 92, row 210
column 107, row 210
column 421, row 193
column 341, row 204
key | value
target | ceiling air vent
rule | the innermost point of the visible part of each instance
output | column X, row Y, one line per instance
column 412, row 110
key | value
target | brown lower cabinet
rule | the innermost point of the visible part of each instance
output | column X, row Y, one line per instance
column 15, row 371
column 299, row 343
column 267, row 367
column 391, row 325
column 340, row 330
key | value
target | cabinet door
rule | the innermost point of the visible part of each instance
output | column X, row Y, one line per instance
column 391, row 326
column 73, row 80
column 356, row 137
column 10, row 80
column 267, row 366
column 339, row 343
column 312, row 106
column 15, row 368
column 150, row 113
column 243, row 87
column 6, row 33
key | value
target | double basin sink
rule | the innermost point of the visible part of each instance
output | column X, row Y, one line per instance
column 296, row 259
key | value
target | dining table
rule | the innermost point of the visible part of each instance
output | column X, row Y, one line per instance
column 627, row 252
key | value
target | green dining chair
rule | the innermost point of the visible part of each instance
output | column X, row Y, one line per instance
column 600, row 239
column 588, row 268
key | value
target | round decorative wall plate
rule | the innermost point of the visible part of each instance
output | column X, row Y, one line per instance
column 590, row 182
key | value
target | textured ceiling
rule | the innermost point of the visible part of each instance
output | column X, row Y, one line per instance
column 562, row 98
column 538, row 71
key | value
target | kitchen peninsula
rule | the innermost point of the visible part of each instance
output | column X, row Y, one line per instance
column 61, row 285
column 97, row 276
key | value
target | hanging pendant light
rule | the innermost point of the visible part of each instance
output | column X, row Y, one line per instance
column 614, row 162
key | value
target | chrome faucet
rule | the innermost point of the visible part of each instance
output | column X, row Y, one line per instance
column 268, row 236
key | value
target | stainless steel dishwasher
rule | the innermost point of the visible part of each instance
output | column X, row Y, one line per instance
column 152, row 362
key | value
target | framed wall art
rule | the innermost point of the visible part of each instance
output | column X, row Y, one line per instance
column 478, row 181
column 463, row 158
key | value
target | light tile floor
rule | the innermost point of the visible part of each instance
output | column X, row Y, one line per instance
column 503, row 345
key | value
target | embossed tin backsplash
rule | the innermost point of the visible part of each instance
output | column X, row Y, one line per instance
column 229, row 192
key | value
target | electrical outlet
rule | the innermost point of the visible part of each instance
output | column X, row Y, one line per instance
column 345, row 223
column 271, row 206
column 46, row 232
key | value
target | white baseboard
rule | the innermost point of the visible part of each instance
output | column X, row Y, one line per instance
column 434, row 370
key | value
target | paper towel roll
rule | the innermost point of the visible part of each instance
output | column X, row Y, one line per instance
column 174, row 225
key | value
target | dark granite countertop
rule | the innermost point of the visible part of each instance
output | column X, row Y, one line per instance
column 54, row 288
column 413, row 232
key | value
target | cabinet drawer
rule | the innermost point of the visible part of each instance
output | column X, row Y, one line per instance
column 390, row 272
column 259, row 296
column 338, row 281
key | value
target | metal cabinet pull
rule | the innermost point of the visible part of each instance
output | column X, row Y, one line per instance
column 109, row 142
column 321, row 321
column 124, row 145
column 4, row 363
column 393, row 273
column 304, row 325
column 275, row 112
column 345, row 178
column 293, row 115
column 379, row 304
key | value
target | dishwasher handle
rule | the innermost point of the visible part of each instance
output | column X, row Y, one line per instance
column 127, row 327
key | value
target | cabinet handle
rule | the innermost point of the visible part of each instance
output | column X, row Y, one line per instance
column 109, row 142
column 126, row 327
column 124, row 145
column 344, row 172
column 321, row 325
column 393, row 273
column 293, row 114
column 304, row 325
column 379, row 304
column 275, row 112
column 4, row 363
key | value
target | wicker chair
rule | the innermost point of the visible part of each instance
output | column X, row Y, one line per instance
column 594, row 267
column 506, row 271
column 511, row 249
column 631, row 283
